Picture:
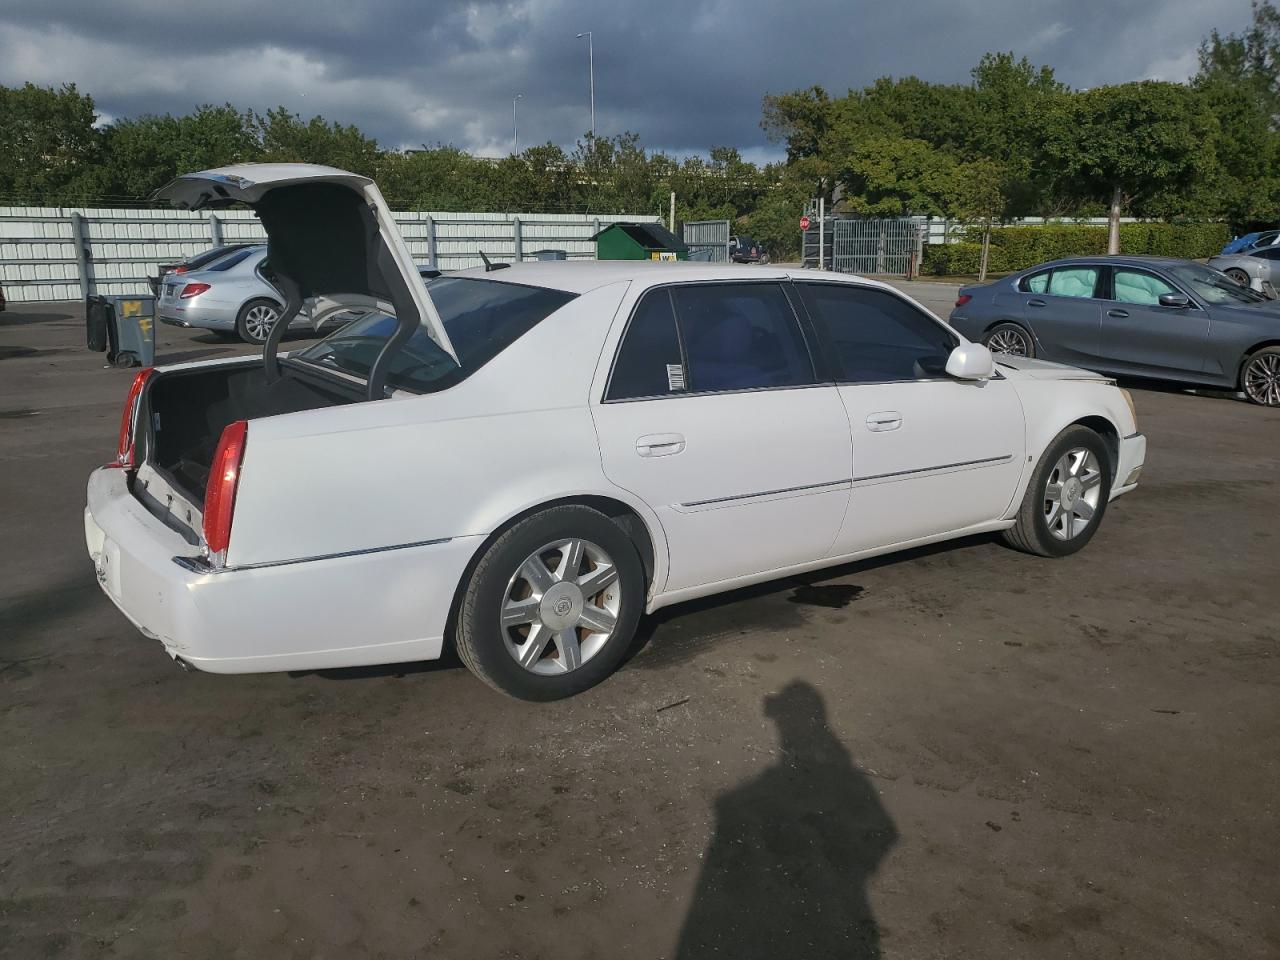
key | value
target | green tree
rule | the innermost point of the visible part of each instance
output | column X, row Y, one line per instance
column 896, row 177
column 1127, row 143
column 48, row 144
column 1248, row 60
column 286, row 137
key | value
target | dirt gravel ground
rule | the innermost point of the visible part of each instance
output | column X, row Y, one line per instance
column 958, row 752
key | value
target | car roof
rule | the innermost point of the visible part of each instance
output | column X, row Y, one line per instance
column 1124, row 260
column 579, row 276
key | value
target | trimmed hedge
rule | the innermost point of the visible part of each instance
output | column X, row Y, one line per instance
column 1016, row 248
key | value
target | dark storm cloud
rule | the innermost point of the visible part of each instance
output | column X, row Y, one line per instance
column 684, row 76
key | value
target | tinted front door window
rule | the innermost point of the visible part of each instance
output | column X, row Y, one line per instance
column 877, row 337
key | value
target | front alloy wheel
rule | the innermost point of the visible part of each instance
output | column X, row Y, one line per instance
column 1067, row 495
column 1260, row 377
column 1071, row 493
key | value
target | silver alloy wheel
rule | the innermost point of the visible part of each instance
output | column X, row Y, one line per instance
column 1010, row 341
column 1071, row 493
column 1262, row 379
column 561, row 606
column 259, row 321
column 1239, row 276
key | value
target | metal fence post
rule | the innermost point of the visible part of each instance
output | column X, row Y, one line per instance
column 517, row 238
column 431, row 243
column 215, row 229
column 80, row 238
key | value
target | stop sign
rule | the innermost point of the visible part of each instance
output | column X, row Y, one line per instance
column 804, row 222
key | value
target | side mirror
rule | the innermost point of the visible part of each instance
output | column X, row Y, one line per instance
column 1178, row 301
column 971, row 361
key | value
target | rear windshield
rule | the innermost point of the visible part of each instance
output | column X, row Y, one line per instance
column 1213, row 286
column 200, row 260
column 482, row 317
column 229, row 261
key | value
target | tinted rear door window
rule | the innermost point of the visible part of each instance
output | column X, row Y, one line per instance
column 741, row 336
column 649, row 362
column 877, row 337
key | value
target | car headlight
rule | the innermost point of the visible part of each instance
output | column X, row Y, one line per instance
column 1133, row 411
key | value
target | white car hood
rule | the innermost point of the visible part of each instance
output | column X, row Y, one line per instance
column 328, row 230
column 1024, row 368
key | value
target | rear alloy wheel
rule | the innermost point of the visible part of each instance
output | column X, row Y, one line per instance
column 255, row 320
column 1011, row 339
column 1239, row 276
column 553, row 604
column 1260, row 377
column 1067, row 496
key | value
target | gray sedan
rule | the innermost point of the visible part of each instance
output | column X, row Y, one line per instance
column 1139, row 316
column 1257, row 268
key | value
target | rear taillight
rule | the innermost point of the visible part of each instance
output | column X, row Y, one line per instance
column 220, row 494
column 193, row 290
column 127, row 446
column 963, row 299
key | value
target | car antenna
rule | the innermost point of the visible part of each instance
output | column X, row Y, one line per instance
column 489, row 265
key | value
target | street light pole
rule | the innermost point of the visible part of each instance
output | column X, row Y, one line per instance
column 515, row 124
column 591, row 69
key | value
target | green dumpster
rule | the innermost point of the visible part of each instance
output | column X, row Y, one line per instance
column 639, row 241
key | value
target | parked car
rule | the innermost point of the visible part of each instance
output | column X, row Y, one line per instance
column 1140, row 316
column 196, row 262
column 232, row 296
column 523, row 462
column 746, row 250
column 1255, row 268
column 1265, row 238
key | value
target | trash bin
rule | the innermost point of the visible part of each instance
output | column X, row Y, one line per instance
column 639, row 241
column 551, row 254
column 124, row 325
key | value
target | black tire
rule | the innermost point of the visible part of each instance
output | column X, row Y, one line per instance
column 479, row 635
column 1011, row 332
column 246, row 329
column 1239, row 276
column 1260, row 377
column 1031, row 532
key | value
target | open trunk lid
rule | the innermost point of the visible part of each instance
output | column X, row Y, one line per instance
column 332, row 242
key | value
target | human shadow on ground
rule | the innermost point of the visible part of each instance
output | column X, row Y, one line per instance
column 794, row 848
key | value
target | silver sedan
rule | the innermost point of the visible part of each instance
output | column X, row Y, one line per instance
column 230, row 296
column 1257, row 268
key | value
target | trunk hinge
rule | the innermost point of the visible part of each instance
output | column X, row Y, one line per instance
column 292, row 305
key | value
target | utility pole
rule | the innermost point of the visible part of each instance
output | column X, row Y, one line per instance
column 591, row 71
column 672, row 228
column 822, row 233
column 515, row 124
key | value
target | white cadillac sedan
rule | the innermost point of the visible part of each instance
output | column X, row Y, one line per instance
column 522, row 462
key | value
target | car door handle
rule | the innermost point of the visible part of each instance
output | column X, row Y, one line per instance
column 886, row 420
column 1035, row 303
column 659, row 444
column 1117, row 313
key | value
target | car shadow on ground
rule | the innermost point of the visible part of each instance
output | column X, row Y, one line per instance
column 793, row 850
column 1174, row 386
column 809, row 589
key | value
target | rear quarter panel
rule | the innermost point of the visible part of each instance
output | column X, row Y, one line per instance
column 515, row 434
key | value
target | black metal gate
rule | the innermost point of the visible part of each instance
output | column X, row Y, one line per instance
column 890, row 246
column 886, row 246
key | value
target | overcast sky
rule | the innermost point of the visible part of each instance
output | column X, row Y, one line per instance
column 686, row 76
